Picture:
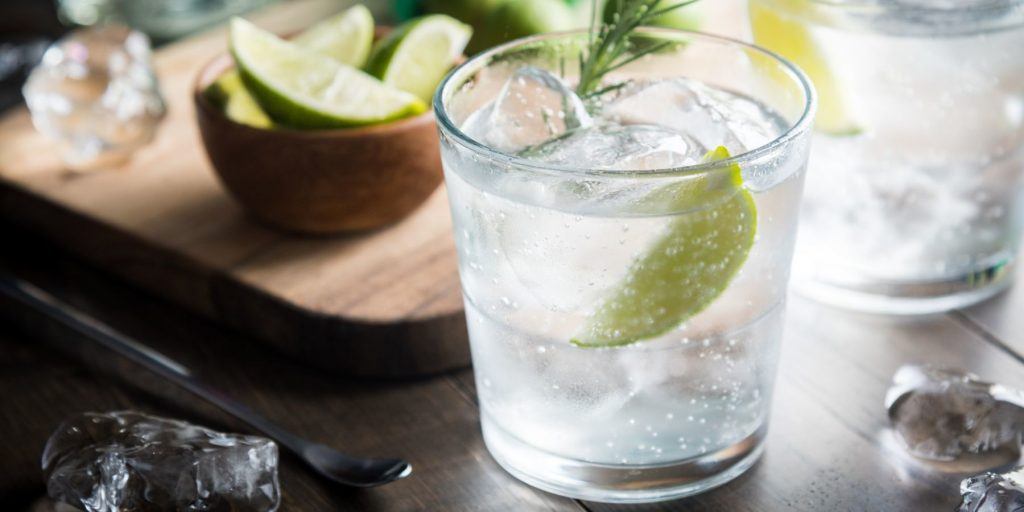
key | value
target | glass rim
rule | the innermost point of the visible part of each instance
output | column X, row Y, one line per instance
column 795, row 130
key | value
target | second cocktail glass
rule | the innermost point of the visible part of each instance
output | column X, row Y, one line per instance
column 914, row 201
column 624, row 256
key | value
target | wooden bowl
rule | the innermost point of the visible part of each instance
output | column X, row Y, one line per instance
column 320, row 181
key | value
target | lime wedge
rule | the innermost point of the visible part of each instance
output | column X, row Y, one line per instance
column 792, row 39
column 684, row 270
column 234, row 100
column 417, row 55
column 346, row 37
column 304, row 89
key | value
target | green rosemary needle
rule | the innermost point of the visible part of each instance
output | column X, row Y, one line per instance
column 610, row 47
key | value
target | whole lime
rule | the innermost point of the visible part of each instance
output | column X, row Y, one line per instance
column 513, row 19
column 467, row 11
column 683, row 18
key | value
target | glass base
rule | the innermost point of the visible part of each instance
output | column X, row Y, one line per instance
column 909, row 297
column 610, row 483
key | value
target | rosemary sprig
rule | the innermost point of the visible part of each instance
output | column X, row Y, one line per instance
column 609, row 47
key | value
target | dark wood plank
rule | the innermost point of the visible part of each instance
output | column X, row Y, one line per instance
column 429, row 421
column 829, row 447
column 30, row 376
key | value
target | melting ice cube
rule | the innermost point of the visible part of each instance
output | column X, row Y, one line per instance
column 631, row 147
column 131, row 461
column 533, row 106
column 941, row 413
column 714, row 117
column 95, row 92
column 992, row 492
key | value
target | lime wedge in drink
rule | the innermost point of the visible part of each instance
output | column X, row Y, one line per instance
column 792, row 39
column 234, row 100
column 304, row 89
column 417, row 55
column 685, row 269
column 346, row 37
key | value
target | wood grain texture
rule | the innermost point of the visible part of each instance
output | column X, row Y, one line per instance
column 829, row 446
column 320, row 182
column 47, row 373
column 385, row 302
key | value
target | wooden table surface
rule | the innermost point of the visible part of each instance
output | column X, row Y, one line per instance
column 829, row 448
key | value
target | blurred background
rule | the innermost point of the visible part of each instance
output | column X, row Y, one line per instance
column 28, row 26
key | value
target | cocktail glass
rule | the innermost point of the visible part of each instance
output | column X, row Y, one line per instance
column 914, row 202
column 624, row 277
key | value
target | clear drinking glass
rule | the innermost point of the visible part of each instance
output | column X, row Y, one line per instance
column 914, row 203
column 624, row 294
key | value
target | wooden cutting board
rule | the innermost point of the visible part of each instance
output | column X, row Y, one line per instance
column 387, row 303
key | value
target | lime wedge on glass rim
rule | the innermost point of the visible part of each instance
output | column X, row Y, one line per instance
column 791, row 38
column 346, row 37
column 417, row 55
column 304, row 89
column 686, row 268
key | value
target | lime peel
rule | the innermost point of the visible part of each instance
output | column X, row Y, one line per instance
column 230, row 95
column 346, row 37
column 304, row 89
column 684, row 271
column 417, row 55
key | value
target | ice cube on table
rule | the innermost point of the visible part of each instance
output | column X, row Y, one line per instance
column 993, row 492
column 128, row 461
column 942, row 414
column 96, row 93
column 533, row 106
column 714, row 117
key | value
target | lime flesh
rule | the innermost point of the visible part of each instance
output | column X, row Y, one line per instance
column 791, row 38
column 416, row 56
column 230, row 94
column 684, row 270
column 304, row 89
column 346, row 37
